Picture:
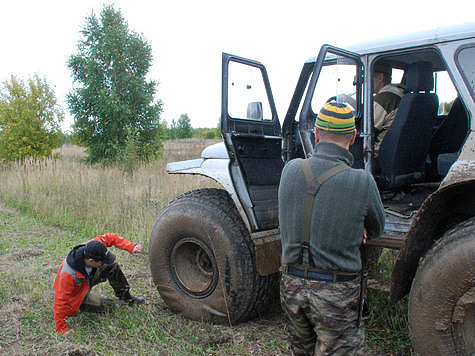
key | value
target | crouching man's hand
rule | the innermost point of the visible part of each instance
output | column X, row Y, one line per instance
column 138, row 249
column 64, row 331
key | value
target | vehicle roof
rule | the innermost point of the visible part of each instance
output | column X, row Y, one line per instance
column 437, row 35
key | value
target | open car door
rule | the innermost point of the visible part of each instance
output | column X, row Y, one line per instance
column 337, row 75
column 252, row 135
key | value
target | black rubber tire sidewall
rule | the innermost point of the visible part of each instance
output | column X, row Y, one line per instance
column 444, row 276
column 205, row 215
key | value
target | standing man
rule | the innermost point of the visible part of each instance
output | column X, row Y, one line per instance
column 85, row 266
column 386, row 102
column 325, row 209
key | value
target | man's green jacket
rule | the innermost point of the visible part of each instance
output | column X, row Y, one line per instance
column 345, row 204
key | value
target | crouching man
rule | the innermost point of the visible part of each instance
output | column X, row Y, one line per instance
column 84, row 267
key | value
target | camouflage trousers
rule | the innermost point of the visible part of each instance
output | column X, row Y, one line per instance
column 322, row 316
column 112, row 273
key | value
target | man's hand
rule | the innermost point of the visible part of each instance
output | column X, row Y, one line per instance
column 64, row 331
column 138, row 249
column 365, row 235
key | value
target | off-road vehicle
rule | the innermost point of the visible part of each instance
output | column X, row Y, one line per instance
column 215, row 253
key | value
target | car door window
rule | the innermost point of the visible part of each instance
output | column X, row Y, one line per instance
column 336, row 81
column 247, row 96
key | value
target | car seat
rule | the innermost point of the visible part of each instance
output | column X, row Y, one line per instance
column 403, row 151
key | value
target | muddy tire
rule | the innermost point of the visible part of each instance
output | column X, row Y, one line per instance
column 203, row 261
column 442, row 298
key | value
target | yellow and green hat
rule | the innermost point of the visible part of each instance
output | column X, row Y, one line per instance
column 336, row 118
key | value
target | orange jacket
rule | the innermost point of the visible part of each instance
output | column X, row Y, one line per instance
column 71, row 286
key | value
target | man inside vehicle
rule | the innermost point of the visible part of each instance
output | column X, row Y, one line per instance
column 386, row 102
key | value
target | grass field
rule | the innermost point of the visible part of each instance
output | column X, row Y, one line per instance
column 48, row 207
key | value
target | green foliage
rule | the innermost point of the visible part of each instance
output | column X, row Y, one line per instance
column 388, row 328
column 29, row 119
column 129, row 156
column 444, row 107
column 212, row 133
column 112, row 97
column 181, row 128
column 66, row 138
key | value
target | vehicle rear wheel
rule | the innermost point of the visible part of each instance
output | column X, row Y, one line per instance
column 442, row 298
column 203, row 260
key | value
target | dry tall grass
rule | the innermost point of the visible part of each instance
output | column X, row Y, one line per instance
column 68, row 193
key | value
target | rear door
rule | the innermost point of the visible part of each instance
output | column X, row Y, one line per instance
column 252, row 135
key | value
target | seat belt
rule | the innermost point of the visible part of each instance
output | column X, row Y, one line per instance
column 313, row 185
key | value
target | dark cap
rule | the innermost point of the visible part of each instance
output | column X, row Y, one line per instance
column 382, row 68
column 98, row 252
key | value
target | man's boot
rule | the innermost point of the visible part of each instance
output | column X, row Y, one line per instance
column 119, row 283
column 131, row 300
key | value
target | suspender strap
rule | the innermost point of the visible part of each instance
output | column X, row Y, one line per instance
column 313, row 185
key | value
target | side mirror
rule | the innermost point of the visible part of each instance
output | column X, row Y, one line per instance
column 254, row 110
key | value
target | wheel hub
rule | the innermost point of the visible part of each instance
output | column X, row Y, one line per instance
column 194, row 267
column 464, row 323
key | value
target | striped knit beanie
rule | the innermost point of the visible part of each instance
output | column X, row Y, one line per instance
column 336, row 118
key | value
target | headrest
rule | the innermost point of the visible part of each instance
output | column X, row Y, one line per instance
column 420, row 77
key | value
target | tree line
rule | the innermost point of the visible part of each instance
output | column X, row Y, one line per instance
column 182, row 129
column 177, row 129
column 117, row 116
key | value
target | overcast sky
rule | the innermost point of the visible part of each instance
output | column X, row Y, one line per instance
column 187, row 39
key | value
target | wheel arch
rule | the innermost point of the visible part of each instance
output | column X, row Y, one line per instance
column 443, row 209
column 217, row 170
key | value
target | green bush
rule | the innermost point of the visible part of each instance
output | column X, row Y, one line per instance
column 29, row 120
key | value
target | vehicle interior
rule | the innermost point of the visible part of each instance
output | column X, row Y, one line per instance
column 428, row 130
column 425, row 138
